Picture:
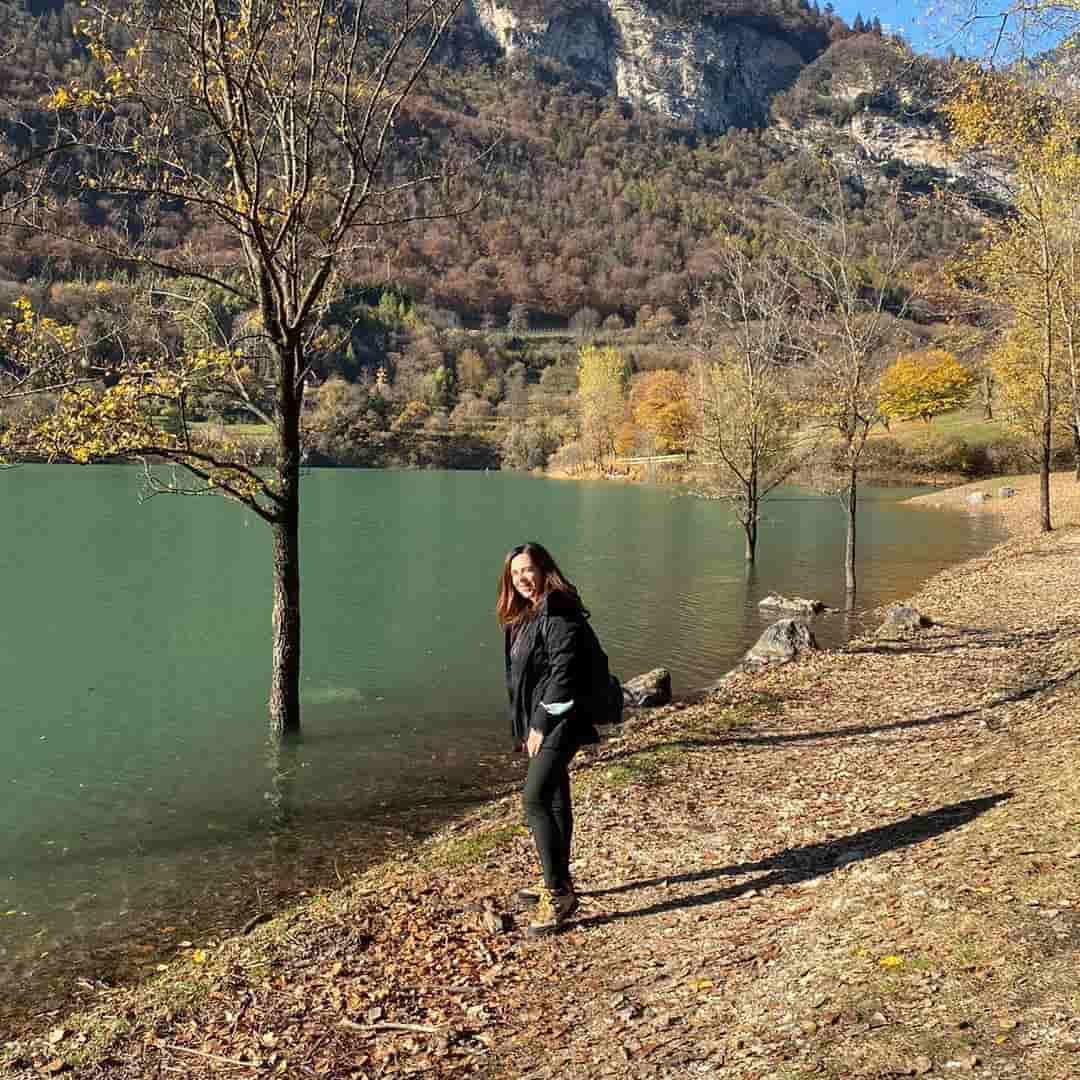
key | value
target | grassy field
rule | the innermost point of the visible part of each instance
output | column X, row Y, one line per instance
column 966, row 424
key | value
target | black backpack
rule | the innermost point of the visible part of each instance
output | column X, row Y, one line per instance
column 606, row 692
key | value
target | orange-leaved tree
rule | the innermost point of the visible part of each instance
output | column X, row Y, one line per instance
column 661, row 408
column 924, row 385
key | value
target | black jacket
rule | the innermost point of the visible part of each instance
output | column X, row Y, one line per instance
column 555, row 661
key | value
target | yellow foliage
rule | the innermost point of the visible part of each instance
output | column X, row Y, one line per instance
column 661, row 406
column 601, row 382
column 924, row 385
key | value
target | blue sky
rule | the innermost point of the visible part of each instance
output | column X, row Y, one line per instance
column 928, row 26
column 907, row 19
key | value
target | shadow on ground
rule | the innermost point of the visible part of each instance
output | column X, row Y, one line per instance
column 795, row 865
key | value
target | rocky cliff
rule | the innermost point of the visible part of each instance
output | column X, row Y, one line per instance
column 711, row 72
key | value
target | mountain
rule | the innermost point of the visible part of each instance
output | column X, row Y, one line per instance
column 713, row 67
column 627, row 138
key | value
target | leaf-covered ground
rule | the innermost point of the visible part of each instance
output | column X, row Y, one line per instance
column 864, row 865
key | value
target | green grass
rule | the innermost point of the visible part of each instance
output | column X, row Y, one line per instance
column 966, row 424
column 234, row 431
column 476, row 847
column 643, row 767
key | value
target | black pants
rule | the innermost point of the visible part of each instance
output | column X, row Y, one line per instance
column 549, row 814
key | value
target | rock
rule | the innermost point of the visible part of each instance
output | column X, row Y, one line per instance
column 976, row 498
column 710, row 72
column 785, row 640
column 903, row 619
column 648, row 690
column 1007, row 492
column 796, row 604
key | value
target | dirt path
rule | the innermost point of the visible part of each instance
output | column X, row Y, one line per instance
column 865, row 865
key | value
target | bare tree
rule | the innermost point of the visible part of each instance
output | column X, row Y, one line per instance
column 282, row 122
column 749, row 429
column 847, row 324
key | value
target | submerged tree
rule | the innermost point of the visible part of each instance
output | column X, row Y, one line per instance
column 283, row 122
column 748, row 421
column 846, row 302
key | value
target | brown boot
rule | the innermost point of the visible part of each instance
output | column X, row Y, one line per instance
column 552, row 910
column 530, row 897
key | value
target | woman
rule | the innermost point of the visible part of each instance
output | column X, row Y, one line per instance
column 550, row 659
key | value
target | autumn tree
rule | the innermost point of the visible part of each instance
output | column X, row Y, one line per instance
column 40, row 357
column 924, row 385
column 1016, row 360
column 1025, row 259
column 601, row 399
column 283, row 122
column 849, row 300
column 661, row 407
column 747, row 423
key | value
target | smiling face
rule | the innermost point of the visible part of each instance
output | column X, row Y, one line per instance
column 527, row 578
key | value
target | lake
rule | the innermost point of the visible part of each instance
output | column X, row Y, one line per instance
column 143, row 802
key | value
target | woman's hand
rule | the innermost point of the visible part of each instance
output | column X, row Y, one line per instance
column 534, row 743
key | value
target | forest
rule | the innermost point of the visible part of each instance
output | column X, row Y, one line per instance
column 579, row 215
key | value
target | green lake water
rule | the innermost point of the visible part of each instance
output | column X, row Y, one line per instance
column 142, row 801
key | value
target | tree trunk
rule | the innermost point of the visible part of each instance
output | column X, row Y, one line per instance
column 285, row 675
column 1046, row 448
column 750, row 528
column 1076, row 447
column 1046, row 454
column 285, row 672
column 988, row 397
column 849, row 551
column 750, row 523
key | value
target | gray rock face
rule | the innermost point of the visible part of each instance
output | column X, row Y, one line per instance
column 648, row 690
column 712, row 73
column 785, row 640
column 797, row 604
column 903, row 619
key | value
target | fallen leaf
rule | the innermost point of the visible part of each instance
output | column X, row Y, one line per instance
column 57, row 1035
column 891, row 962
column 198, row 956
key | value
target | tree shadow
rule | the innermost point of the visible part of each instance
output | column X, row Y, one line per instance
column 796, row 865
column 793, row 738
column 958, row 637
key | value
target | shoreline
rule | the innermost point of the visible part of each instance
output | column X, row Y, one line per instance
column 705, row 861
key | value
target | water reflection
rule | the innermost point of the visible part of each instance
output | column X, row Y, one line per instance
column 282, row 765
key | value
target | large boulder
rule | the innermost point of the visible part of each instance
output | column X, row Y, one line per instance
column 796, row 604
column 648, row 690
column 785, row 640
column 903, row 619
column 977, row 498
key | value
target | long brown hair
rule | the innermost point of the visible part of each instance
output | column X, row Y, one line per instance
column 512, row 608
